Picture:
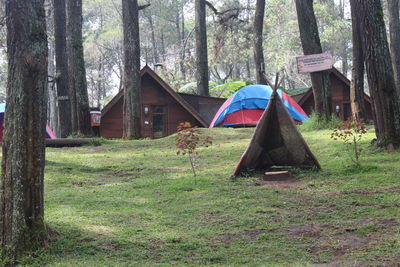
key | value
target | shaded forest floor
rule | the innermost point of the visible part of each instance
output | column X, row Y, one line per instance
column 135, row 204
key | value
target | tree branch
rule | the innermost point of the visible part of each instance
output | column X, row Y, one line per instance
column 144, row 6
column 213, row 9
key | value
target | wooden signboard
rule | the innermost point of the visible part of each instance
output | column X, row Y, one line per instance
column 314, row 63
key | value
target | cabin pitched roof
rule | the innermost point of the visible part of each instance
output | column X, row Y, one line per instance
column 147, row 70
column 302, row 97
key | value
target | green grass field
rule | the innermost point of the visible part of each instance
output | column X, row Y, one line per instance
column 135, row 203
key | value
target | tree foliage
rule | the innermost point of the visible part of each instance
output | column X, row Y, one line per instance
column 230, row 39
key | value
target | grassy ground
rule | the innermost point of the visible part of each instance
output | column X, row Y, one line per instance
column 135, row 204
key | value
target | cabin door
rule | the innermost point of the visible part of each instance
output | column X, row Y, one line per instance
column 346, row 111
column 159, row 121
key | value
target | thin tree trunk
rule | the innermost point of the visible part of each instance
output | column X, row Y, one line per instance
column 258, row 42
column 345, row 63
column 62, row 76
column 100, row 81
column 163, row 47
column 183, row 46
column 80, row 111
column 183, row 36
column 21, row 187
column 153, row 39
column 394, row 30
column 146, row 51
column 132, row 94
column 343, row 43
column 311, row 45
column 248, row 70
column 100, row 69
column 380, row 72
column 52, row 106
column 180, row 37
column 357, row 80
column 202, row 75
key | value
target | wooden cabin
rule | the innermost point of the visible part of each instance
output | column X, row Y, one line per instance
column 340, row 97
column 162, row 109
column 206, row 106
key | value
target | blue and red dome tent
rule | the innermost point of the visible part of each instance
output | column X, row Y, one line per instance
column 49, row 132
column 246, row 106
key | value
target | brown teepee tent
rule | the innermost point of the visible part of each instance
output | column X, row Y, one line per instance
column 276, row 142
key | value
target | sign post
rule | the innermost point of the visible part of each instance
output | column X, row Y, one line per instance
column 314, row 63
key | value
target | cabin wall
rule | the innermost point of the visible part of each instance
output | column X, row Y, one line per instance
column 153, row 94
column 111, row 122
column 341, row 104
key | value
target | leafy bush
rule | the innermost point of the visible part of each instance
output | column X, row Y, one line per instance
column 187, row 141
column 317, row 123
column 227, row 89
column 351, row 133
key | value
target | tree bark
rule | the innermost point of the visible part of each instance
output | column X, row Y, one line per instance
column 248, row 70
column 181, row 38
column 52, row 114
column 357, row 81
column 62, row 76
column 163, row 47
column 258, row 42
column 380, row 72
column 312, row 45
column 202, row 75
column 345, row 63
column 153, row 39
column 80, row 111
column 394, row 30
column 21, row 188
column 132, row 94
column 343, row 43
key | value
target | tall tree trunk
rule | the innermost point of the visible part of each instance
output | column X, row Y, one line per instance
column 80, row 111
column 100, row 70
column 380, row 72
column 180, row 36
column 258, row 42
column 132, row 90
column 62, row 76
column 311, row 45
column 153, row 39
column 345, row 63
column 357, row 79
column 21, row 188
column 183, row 46
column 202, row 75
column 394, row 30
column 53, row 119
column 52, row 114
column 343, row 43
column 248, row 70
column 100, row 81
column 163, row 47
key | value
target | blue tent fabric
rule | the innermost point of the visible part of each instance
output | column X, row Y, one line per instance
column 257, row 97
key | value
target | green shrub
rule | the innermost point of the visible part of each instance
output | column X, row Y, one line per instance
column 317, row 123
column 227, row 89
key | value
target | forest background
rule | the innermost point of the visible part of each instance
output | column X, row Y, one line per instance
column 168, row 44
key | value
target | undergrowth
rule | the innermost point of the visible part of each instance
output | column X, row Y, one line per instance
column 315, row 123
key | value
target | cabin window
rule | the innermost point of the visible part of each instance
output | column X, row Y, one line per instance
column 159, row 121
